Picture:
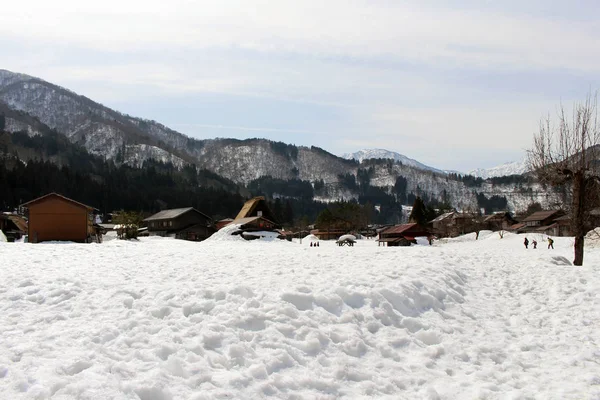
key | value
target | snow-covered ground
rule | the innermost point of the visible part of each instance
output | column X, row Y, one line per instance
column 166, row 319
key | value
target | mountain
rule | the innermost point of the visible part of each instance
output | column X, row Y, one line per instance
column 367, row 154
column 275, row 169
column 506, row 169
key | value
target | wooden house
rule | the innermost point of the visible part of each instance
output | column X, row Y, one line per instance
column 255, row 216
column 455, row 223
column 442, row 225
column 328, row 233
column 180, row 223
column 256, row 207
column 55, row 217
column 402, row 235
column 543, row 222
column 14, row 226
column 499, row 221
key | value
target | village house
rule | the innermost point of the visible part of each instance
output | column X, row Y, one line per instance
column 499, row 221
column 452, row 224
column 328, row 233
column 403, row 235
column 256, row 215
column 13, row 226
column 544, row 222
column 180, row 223
column 56, row 217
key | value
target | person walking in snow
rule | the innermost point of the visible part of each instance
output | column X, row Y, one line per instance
column 550, row 243
column 526, row 243
column 534, row 243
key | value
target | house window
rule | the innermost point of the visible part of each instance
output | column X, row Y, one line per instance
column 170, row 223
column 259, row 213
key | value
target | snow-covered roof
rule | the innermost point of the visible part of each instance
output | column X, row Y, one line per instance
column 443, row 217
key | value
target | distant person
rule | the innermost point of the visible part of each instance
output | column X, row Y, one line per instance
column 526, row 243
column 550, row 243
column 534, row 243
column 317, row 244
column 311, row 244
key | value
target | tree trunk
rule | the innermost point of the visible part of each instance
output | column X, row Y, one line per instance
column 577, row 217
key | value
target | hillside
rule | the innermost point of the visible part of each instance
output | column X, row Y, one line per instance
column 37, row 107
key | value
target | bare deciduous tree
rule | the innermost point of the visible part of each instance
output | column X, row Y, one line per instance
column 567, row 153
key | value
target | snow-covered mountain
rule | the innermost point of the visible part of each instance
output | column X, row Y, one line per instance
column 367, row 154
column 35, row 106
column 509, row 168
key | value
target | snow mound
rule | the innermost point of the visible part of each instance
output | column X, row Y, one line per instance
column 226, row 234
column 171, row 319
column 311, row 238
column 347, row 237
column 592, row 238
column 3, row 237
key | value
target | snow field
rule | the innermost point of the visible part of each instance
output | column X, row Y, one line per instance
column 226, row 318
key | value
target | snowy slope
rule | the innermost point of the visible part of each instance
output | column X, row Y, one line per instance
column 166, row 319
column 509, row 168
column 367, row 154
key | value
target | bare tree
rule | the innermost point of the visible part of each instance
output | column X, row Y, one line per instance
column 566, row 153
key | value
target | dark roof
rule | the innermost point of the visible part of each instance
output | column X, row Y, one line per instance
column 518, row 226
column 173, row 213
column 541, row 215
column 403, row 228
column 498, row 215
column 545, row 228
column 59, row 196
column 563, row 218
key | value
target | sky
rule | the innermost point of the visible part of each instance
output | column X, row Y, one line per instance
column 454, row 84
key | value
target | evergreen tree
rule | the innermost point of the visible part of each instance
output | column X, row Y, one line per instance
column 419, row 212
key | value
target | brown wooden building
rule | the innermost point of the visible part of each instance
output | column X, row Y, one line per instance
column 181, row 223
column 499, row 221
column 454, row 224
column 545, row 222
column 56, row 217
column 402, row 235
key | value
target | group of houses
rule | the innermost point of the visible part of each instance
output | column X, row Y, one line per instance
column 551, row 223
column 54, row 217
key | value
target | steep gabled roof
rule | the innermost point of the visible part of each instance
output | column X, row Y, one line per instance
column 19, row 222
column 173, row 213
column 53, row 194
column 250, row 207
column 542, row 215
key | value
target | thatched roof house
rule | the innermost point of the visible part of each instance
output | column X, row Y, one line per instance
column 256, row 207
column 256, row 215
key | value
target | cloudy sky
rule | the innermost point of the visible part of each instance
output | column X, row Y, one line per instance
column 454, row 84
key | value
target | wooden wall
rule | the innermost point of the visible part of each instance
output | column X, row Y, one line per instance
column 54, row 218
